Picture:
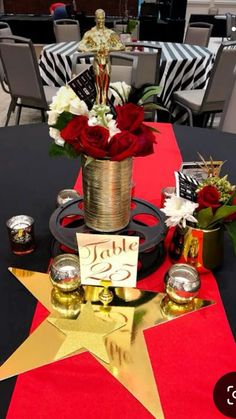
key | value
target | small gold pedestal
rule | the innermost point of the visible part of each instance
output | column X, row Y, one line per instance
column 106, row 296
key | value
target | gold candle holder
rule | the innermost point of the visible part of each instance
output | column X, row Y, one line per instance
column 106, row 296
column 182, row 286
column 65, row 272
column 67, row 304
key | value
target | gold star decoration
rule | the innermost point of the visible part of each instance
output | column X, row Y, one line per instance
column 122, row 348
column 87, row 331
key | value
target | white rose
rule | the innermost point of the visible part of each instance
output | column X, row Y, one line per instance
column 78, row 107
column 52, row 117
column 55, row 134
column 61, row 102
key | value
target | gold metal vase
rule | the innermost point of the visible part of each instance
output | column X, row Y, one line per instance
column 203, row 249
column 107, row 193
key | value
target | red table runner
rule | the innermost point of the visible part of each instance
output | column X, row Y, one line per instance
column 188, row 355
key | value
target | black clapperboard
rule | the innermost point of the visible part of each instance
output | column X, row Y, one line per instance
column 186, row 186
column 84, row 86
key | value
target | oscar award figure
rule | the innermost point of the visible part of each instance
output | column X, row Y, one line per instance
column 101, row 40
column 102, row 71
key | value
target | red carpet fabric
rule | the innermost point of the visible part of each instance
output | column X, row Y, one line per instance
column 188, row 355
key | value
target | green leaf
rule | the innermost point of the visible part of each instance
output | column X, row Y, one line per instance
column 88, row 160
column 55, row 150
column 204, row 217
column 230, row 200
column 131, row 25
column 231, row 228
column 153, row 129
column 148, row 92
column 156, row 89
column 67, row 150
column 150, row 106
column 223, row 212
column 63, row 120
column 70, row 151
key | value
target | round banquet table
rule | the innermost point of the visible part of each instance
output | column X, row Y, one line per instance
column 182, row 352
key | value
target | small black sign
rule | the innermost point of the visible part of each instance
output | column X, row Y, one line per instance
column 186, row 186
column 84, row 86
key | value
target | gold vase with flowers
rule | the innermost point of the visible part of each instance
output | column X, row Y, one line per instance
column 198, row 238
column 107, row 138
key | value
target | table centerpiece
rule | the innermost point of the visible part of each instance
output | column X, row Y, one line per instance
column 199, row 226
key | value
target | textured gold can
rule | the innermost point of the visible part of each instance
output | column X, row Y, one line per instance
column 203, row 249
column 107, row 193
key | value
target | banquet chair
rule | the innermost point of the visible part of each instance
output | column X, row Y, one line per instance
column 66, row 30
column 22, row 75
column 5, row 29
column 230, row 23
column 124, row 66
column 198, row 33
column 207, row 102
column 149, row 57
column 228, row 120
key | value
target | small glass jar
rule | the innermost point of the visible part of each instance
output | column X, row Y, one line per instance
column 64, row 272
column 182, row 283
column 66, row 195
column 21, row 234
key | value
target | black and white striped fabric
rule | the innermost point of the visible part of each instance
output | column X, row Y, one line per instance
column 182, row 67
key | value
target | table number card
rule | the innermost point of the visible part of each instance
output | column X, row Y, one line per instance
column 108, row 257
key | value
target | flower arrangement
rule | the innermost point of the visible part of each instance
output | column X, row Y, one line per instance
column 113, row 132
column 215, row 206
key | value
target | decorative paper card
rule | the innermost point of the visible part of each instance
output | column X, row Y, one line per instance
column 186, row 186
column 106, row 257
column 84, row 86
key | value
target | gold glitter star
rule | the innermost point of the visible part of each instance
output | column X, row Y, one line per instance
column 123, row 346
column 87, row 331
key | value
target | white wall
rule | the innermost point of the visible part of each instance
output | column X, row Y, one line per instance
column 202, row 6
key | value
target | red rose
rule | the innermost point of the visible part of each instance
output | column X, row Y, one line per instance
column 129, row 117
column 95, row 141
column 146, row 139
column 122, row 145
column 74, row 131
column 208, row 196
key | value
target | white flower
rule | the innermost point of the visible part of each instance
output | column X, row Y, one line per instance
column 113, row 129
column 100, row 115
column 120, row 89
column 55, row 134
column 92, row 121
column 178, row 211
column 78, row 107
column 52, row 117
column 67, row 101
